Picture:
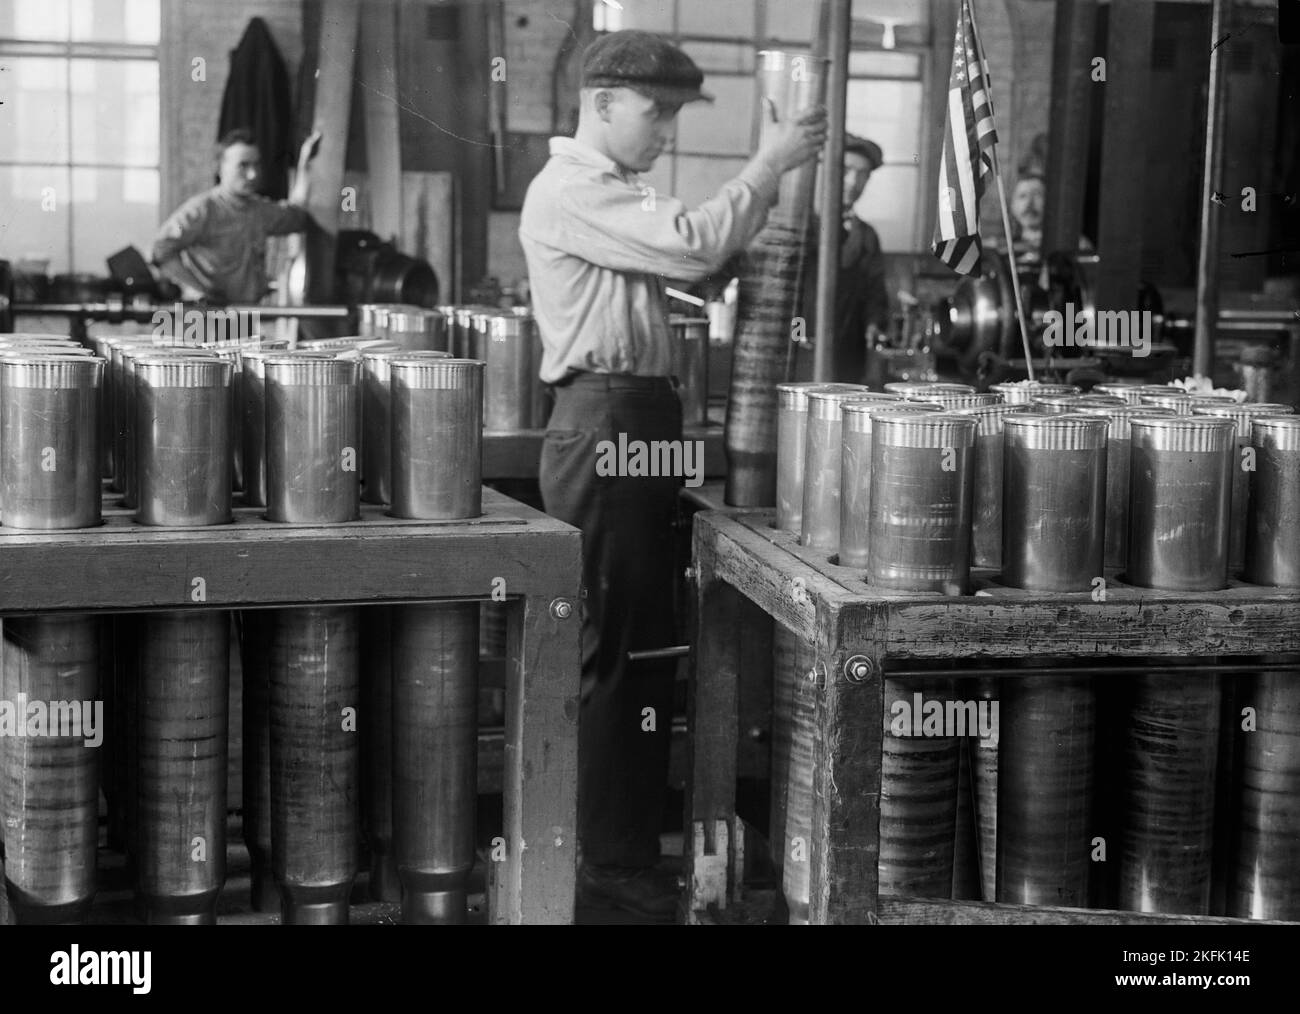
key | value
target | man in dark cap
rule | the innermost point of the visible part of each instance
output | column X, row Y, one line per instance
column 861, row 300
column 600, row 244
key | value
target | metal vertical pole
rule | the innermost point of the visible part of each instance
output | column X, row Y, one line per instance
column 1207, row 263
column 831, row 210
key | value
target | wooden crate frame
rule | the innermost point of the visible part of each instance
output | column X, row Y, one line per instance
column 123, row 566
column 856, row 632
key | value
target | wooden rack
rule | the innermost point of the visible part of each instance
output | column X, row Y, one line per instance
column 857, row 632
column 124, row 566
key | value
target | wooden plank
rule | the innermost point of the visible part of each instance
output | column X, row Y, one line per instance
column 535, row 884
column 846, row 787
column 930, row 912
column 712, row 704
column 1121, row 208
column 333, row 85
column 378, row 83
column 1069, row 122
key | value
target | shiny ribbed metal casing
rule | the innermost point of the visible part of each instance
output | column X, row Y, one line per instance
column 953, row 401
column 183, row 432
column 856, row 414
column 376, row 417
column 1273, row 529
column 313, row 440
column 921, row 492
column 820, row 524
column 1053, row 501
column 691, row 367
column 986, row 505
column 1242, row 415
column 1118, row 454
column 417, row 329
column 791, row 432
column 1127, row 392
column 510, row 349
column 49, row 441
column 1018, row 393
column 437, row 461
column 1180, row 485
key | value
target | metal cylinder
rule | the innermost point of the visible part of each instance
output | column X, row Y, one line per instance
column 796, row 659
column 820, row 518
column 1022, row 392
column 1053, row 404
column 183, row 700
column 509, row 353
column 691, row 367
column 416, row 329
column 183, row 432
column 435, row 757
column 104, row 351
column 925, row 388
column 984, row 784
column 921, row 491
column 918, row 792
column 1273, row 528
column 1179, row 402
column 770, row 290
column 1265, row 883
column 1046, row 759
column 1242, row 465
column 1169, row 777
column 49, row 442
column 463, row 342
column 791, row 433
column 377, row 749
column 855, row 470
column 315, row 761
column 49, row 765
column 1053, row 501
column 986, row 503
column 313, row 440
column 255, row 663
column 1180, row 487
column 953, row 401
column 1127, row 392
column 1118, row 454
column 437, row 463
column 376, row 419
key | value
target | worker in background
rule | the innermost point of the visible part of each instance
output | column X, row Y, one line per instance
column 600, row 244
column 1028, row 201
column 214, row 245
column 861, row 300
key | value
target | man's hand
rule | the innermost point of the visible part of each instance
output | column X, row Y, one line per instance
column 791, row 143
column 301, row 189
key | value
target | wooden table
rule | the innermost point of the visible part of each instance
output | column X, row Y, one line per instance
column 741, row 561
column 123, row 566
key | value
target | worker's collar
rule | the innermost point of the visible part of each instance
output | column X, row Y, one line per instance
column 572, row 148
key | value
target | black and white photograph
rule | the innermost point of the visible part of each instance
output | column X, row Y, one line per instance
column 627, row 463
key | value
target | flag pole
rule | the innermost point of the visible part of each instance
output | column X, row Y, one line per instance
column 1011, row 262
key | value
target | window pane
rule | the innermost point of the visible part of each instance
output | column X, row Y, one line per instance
column 34, row 203
column 722, row 127
column 648, row 15
column 721, row 57
column 790, row 20
column 135, row 21
column 901, row 12
column 730, row 18
column 876, row 63
column 34, row 117
column 115, row 114
column 889, row 204
column 698, row 179
column 34, row 19
column 889, row 113
column 106, row 218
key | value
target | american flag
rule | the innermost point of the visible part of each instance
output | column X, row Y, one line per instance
column 968, row 152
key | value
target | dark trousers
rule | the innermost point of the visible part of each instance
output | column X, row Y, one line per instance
column 627, row 550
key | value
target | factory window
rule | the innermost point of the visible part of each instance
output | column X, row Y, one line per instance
column 886, row 94
column 79, row 169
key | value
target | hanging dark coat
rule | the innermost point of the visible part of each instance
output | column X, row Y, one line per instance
column 257, row 98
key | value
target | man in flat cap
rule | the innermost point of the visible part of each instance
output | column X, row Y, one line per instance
column 600, row 246
column 861, row 299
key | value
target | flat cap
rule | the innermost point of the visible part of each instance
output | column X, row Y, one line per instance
column 867, row 149
column 645, row 62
